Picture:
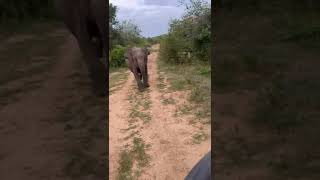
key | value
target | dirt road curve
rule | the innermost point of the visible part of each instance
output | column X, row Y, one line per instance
column 172, row 153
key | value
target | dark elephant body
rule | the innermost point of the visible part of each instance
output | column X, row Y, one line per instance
column 137, row 60
column 87, row 21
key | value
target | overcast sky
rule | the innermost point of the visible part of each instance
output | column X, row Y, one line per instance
column 152, row 16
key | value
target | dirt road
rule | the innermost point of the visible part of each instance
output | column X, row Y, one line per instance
column 39, row 129
column 165, row 149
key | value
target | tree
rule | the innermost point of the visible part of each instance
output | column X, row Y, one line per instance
column 129, row 33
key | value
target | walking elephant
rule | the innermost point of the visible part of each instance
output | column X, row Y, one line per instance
column 87, row 21
column 137, row 59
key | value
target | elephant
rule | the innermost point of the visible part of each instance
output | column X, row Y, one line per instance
column 137, row 59
column 87, row 22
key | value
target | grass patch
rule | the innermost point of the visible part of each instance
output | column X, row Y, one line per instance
column 199, row 137
column 194, row 77
column 140, row 104
column 203, row 114
column 134, row 114
column 183, row 110
column 129, row 128
column 136, row 155
column 146, row 104
column 139, row 150
column 132, row 134
column 177, row 84
column 125, row 166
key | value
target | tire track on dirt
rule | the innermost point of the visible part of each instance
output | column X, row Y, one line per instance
column 118, row 113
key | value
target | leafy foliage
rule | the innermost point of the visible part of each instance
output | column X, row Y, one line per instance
column 189, row 38
column 117, row 57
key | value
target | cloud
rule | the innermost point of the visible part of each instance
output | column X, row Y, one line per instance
column 160, row 2
column 152, row 16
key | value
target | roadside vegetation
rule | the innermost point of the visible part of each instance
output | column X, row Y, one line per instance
column 185, row 58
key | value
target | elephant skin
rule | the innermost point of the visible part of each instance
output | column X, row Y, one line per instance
column 87, row 21
column 137, row 59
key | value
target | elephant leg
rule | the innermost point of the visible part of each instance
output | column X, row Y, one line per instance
column 144, row 74
column 139, row 74
column 146, row 77
column 97, row 71
column 137, row 78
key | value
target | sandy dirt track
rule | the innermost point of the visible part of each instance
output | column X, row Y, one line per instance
column 170, row 138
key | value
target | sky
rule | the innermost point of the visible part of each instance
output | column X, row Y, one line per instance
column 152, row 16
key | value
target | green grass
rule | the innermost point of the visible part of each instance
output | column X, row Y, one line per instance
column 125, row 166
column 199, row 137
column 145, row 117
column 196, row 78
column 185, row 109
column 140, row 104
column 131, row 135
column 137, row 154
column 129, row 128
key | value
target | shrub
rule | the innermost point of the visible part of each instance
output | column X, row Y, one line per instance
column 116, row 58
column 189, row 38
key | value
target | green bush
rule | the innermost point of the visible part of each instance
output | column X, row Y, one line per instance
column 189, row 38
column 116, row 58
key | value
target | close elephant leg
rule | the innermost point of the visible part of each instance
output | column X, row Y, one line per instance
column 97, row 71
